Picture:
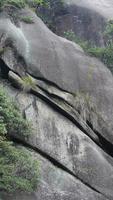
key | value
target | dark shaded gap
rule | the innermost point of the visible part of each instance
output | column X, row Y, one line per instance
column 50, row 83
column 4, row 70
column 52, row 160
column 103, row 143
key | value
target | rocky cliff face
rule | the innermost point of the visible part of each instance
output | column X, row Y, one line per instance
column 87, row 19
column 75, row 151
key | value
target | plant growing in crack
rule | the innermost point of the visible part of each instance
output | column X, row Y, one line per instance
column 86, row 107
column 2, row 50
column 27, row 20
column 28, row 83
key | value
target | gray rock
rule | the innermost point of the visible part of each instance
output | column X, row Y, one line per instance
column 56, row 184
column 39, row 52
column 57, row 138
column 84, row 167
column 86, row 18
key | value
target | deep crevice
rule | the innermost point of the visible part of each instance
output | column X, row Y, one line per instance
column 50, row 83
column 53, row 161
column 4, row 70
column 104, row 144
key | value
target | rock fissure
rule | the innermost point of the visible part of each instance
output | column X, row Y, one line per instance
column 53, row 161
column 51, row 83
column 66, row 94
column 102, row 142
column 88, row 130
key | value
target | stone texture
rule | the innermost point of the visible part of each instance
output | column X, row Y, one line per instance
column 36, row 50
column 86, row 18
column 55, row 184
column 84, row 167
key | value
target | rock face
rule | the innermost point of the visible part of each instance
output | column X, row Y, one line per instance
column 87, row 19
column 75, row 155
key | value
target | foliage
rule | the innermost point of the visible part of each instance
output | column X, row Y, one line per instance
column 11, row 116
column 18, row 171
column 70, row 35
column 86, row 107
column 105, row 54
column 108, row 33
column 37, row 3
column 28, row 83
column 23, row 3
column 17, row 3
column 2, row 50
column 27, row 20
column 50, row 11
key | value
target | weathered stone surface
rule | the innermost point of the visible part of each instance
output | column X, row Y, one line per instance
column 63, row 141
column 56, row 184
column 58, row 138
column 62, row 68
column 36, row 50
column 103, row 7
column 86, row 18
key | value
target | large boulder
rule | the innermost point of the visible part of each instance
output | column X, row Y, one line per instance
column 34, row 49
column 59, row 69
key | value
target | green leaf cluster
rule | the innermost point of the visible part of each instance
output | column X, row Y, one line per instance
column 86, row 107
column 18, row 170
column 70, row 35
column 27, row 19
column 22, row 3
column 105, row 54
column 11, row 116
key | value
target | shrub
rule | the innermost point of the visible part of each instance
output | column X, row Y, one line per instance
column 11, row 116
column 18, row 170
column 104, row 54
column 28, row 83
column 22, row 3
column 17, row 3
column 86, row 107
column 70, row 35
column 28, row 20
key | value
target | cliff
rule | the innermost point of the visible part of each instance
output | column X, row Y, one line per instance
column 68, row 98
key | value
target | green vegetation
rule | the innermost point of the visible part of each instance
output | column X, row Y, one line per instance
column 2, row 51
column 70, row 35
column 45, row 9
column 86, row 107
column 50, row 11
column 18, row 171
column 22, row 3
column 28, row 20
column 12, row 119
column 28, row 83
column 104, row 54
column 108, row 33
column 17, row 3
